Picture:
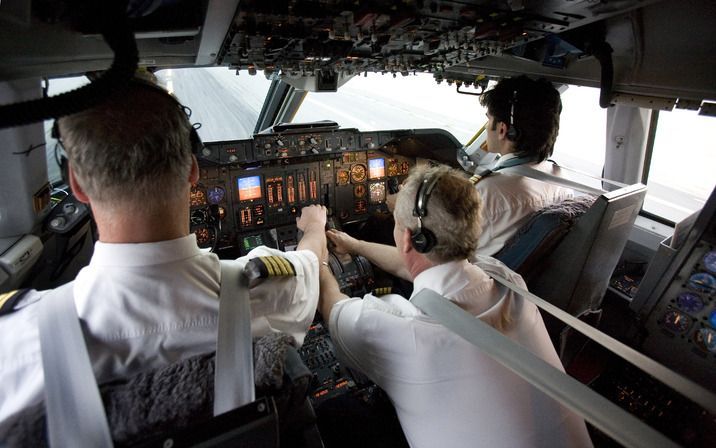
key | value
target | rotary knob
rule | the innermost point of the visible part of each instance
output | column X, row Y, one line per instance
column 58, row 222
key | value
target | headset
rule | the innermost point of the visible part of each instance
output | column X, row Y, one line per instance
column 423, row 239
column 513, row 133
column 195, row 140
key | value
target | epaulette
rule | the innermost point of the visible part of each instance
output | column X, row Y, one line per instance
column 8, row 300
column 478, row 176
column 382, row 291
column 269, row 266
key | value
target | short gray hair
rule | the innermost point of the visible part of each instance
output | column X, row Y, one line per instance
column 134, row 146
column 454, row 212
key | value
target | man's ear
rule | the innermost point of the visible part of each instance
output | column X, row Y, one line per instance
column 502, row 129
column 194, row 173
column 407, row 240
column 75, row 186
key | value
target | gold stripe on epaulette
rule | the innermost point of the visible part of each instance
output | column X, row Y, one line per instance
column 289, row 267
column 280, row 264
column 269, row 266
column 4, row 297
column 276, row 266
column 382, row 291
column 475, row 179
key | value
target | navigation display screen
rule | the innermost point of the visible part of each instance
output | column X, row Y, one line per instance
column 376, row 168
column 249, row 188
column 251, row 242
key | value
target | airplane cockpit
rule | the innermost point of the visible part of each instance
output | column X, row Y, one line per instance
column 645, row 284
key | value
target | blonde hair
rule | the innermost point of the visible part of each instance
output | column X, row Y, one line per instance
column 454, row 212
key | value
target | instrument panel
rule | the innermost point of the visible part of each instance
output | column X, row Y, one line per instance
column 251, row 191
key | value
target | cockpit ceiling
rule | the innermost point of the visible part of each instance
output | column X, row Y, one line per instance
column 346, row 37
column 316, row 44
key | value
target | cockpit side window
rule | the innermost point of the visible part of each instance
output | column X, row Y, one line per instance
column 52, row 150
column 581, row 141
column 681, row 172
column 226, row 105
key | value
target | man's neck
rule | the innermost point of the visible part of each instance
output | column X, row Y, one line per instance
column 145, row 226
column 418, row 265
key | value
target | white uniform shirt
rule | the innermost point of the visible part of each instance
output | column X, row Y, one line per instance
column 148, row 305
column 447, row 392
column 508, row 201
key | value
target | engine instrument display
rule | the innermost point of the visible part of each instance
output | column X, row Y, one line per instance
column 376, row 168
column 359, row 191
column 249, row 188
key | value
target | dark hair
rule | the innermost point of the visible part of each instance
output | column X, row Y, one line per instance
column 537, row 106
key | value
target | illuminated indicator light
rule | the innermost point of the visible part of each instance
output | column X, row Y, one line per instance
column 269, row 193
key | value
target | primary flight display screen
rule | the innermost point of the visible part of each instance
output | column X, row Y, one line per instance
column 376, row 168
column 249, row 188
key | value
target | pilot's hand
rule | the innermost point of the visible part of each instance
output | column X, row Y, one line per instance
column 312, row 215
column 342, row 242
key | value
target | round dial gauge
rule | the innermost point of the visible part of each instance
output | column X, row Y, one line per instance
column 198, row 216
column 706, row 339
column 216, row 194
column 359, row 191
column 676, row 321
column 197, row 197
column 358, row 173
column 377, row 193
column 703, row 282
column 690, row 302
column 204, row 236
column 710, row 261
column 343, row 177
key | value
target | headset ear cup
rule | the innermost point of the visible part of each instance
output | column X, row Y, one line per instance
column 196, row 144
column 65, row 170
column 423, row 241
column 419, row 241
column 513, row 133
